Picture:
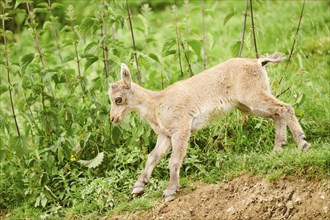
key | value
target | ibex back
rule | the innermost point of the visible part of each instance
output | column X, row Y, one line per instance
column 188, row 105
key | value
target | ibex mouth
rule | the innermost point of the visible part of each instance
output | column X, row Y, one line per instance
column 115, row 120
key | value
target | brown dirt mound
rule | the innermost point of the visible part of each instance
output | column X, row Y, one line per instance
column 246, row 197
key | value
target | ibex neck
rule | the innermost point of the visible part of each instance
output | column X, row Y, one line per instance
column 145, row 100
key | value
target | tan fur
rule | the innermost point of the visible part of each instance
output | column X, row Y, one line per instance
column 188, row 105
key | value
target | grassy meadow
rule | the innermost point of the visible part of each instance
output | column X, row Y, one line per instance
column 64, row 159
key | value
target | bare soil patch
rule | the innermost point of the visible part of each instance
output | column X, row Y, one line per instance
column 246, row 197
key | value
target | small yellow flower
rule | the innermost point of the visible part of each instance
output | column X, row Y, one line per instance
column 73, row 158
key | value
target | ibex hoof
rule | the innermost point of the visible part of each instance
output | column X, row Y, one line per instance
column 168, row 198
column 277, row 149
column 305, row 146
column 137, row 190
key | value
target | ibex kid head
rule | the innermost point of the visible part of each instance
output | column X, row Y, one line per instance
column 120, row 96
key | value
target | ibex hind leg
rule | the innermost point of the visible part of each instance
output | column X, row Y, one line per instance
column 283, row 114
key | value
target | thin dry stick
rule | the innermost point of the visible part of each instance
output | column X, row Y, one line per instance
column 203, row 29
column 8, row 76
column 244, row 28
column 178, row 45
column 36, row 39
column 132, row 33
column 187, row 58
column 295, row 36
column 254, row 35
column 292, row 48
column 105, row 45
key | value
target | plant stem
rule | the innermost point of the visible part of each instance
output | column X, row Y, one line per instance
column 253, row 32
column 36, row 39
column 113, row 33
column 133, row 40
column 77, row 59
column 59, row 54
column 8, row 77
column 203, row 29
column 55, row 36
column 296, row 34
column 244, row 28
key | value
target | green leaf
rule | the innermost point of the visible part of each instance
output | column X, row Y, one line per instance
column 167, row 47
column 18, row 2
column 46, row 25
column 235, row 48
column 26, row 60
column 115, row 58
column 196, row 46
column 91, row 47
column 43, row 201
column 43, row 4
column 210, row 40
column 90, row 60
column 3, row 89
column 56, row 5
column 95, row 162
column 154, row 57
column 88, row 25
column 49, row 76
column 69, row 58
column 229, row 16
column 300, row 112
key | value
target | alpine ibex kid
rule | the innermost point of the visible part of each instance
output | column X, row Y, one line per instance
column 188, row 105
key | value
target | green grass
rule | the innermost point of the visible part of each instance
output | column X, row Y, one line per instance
column 40, row 175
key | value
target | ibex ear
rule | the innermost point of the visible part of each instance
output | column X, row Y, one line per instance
column 126, row 75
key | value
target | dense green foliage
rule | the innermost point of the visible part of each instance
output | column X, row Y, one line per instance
column 56, row 73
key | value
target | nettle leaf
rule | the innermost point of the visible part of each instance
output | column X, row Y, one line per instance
column 166, row 51
column 299, row 112
column 41, row 10
column 196, row 46
column 49, row 76
column 229, row 16
column 235, row 48
column 3, row 89
column 56, row 5
column 88, row 25
column 18, row 2
column 46, row 25
column 26, row 60
column 69, row 58
column 43, row 4
column 154, row 57
column 95, row 162
column 90, row 60
column 210, row 40
column 115, row 58
column 91, row 47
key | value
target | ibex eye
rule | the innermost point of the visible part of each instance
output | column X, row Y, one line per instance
column 118, row 100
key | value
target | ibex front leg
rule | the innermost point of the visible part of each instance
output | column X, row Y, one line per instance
column 160, row 150
column 179, row 149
